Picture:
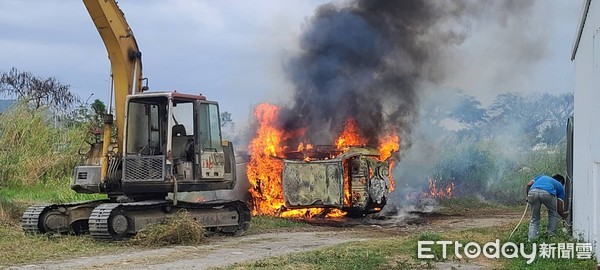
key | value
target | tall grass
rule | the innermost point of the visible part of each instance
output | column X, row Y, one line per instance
column 495, row 170
column 510, row 188
column 33, row 150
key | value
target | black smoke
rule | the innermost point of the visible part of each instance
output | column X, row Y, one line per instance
column 368, row 60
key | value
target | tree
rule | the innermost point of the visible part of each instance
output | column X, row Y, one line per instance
column 226, row 119
column 98, row 107
column 537, row 117
column 38, row 91
column 468, row 111
column 228, row 128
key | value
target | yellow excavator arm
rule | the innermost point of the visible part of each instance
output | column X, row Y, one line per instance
column 125, row 61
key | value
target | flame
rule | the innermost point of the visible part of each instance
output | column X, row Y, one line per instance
column 264, row 172
column 350, row 135
column 440, row 191
column 335, row 213
column 304, row 147
column 347, row 196
column 389, row 144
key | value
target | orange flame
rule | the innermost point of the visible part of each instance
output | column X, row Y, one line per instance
column 335, row 213
column 303, row 147
column 350, row 135
column 440, row 191
column 264, row 172
column 389, row 144
column 347, row 196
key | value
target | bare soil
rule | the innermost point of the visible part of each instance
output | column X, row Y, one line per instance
column 224, row 251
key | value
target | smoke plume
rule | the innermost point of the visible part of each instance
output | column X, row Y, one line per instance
column 368, row 60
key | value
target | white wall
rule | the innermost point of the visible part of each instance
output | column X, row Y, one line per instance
column 586, row 146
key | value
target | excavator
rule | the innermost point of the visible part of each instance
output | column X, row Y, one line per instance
column 166, row 143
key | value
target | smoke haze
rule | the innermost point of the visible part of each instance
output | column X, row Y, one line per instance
column 369, row 60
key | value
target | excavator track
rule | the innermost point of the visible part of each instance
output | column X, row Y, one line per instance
column 57, row 218
column 109, row 221
column 98, row 222
column 30, row 221
column 120, row 221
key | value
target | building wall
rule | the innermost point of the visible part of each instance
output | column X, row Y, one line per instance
column 586, row 140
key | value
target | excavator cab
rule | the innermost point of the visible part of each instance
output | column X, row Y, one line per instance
column 173, row 143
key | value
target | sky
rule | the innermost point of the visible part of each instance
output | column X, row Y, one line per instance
column 233, row 52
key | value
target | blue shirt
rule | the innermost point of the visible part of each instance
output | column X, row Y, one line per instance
column 550, row 185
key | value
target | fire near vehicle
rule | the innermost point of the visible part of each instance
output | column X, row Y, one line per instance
column 353, row 180
column 167, row 142
column 291, row 177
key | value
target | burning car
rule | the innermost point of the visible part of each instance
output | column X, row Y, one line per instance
column 354, row 180
column 289, row 177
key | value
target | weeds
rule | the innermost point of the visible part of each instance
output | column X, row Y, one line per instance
column 510, row 188
column 179, row 229
column 263, row 224
column 33, row 149
column 561, row 236
column 11, row 211
column 353, row 255
column 18, row 248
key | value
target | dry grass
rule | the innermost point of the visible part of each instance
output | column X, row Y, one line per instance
column 32, row 150
column 18, row 248
column 11, row 211
column 179, row 229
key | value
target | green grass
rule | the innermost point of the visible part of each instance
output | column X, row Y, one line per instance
column 474, row 206
column 353, row 255
column 32, row 150
column 56, row 192
column 520, row 236
column 401, row 253
column 509, row 188
column 264, row 224
column 18, row 248
column 36, row 162
column 388, row 253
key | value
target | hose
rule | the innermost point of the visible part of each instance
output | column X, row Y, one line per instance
column 518, row 224
column 565, row 223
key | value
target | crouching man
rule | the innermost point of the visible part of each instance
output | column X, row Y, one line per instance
column 550, row 192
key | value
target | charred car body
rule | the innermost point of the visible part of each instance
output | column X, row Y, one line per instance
column 353, row 180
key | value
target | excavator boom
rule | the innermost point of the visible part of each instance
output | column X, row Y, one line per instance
column 123, row 52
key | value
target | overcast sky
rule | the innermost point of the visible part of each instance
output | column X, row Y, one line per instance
column 233, row 51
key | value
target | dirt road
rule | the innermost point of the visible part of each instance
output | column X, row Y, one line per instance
column 223, row 251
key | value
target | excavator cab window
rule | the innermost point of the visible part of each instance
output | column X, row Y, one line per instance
column 145, row 127
column 211, row 159
column 209, row 128
column 183, row 131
